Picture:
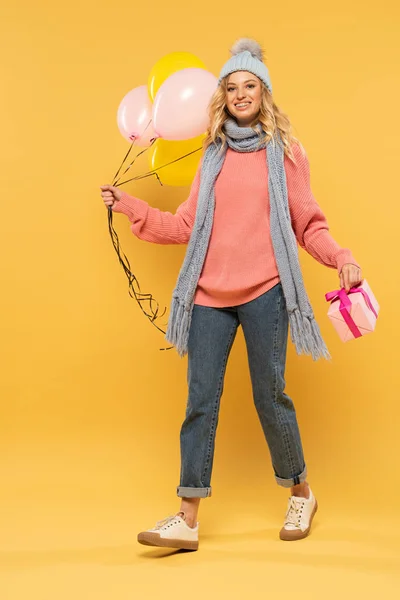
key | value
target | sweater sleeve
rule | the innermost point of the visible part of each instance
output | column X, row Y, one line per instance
column 308, row 221
column 161, row 227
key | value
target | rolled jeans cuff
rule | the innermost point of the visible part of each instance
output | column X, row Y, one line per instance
column 193, row 492
column 293, row 480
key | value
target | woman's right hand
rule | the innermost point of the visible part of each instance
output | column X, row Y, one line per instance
column 110, row 194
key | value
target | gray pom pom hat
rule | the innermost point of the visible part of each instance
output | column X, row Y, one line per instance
column 247, row 55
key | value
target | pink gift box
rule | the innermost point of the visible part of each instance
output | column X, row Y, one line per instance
column 353, row 313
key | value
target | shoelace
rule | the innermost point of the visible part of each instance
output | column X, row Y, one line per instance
column 163, row 522
column 292, row 515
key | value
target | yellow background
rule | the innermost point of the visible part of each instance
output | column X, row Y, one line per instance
column 91, row 409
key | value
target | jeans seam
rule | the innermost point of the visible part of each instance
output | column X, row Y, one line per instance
column 285, row 433
column 215, row 411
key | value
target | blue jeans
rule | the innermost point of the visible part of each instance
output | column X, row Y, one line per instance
column 265, row 326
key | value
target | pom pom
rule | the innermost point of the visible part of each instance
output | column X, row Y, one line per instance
column 247, row 44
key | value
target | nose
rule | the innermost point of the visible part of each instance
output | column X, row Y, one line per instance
column 240, row 95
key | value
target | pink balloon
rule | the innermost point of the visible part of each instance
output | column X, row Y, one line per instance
column 134, row 116
column 180, row 109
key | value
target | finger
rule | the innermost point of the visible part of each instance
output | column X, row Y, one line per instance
column 109, row 188
column 355, row 278
column 346, row 281
column 342, row 280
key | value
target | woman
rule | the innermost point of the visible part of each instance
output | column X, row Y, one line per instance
column 249, row 205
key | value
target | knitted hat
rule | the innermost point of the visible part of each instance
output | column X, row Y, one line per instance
column 247, row 56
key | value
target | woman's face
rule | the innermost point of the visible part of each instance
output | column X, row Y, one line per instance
column 243, row 96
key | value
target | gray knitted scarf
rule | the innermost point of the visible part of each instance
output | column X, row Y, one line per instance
column 305, row 333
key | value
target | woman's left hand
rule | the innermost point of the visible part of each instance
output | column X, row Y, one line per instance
column 350, row 276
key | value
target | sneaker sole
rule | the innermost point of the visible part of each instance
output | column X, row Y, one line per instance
column 153, row 539
column 287, row 536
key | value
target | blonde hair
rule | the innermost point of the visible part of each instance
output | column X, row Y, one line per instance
column 270, row 117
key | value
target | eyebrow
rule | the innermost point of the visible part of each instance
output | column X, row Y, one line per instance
column 231, row 83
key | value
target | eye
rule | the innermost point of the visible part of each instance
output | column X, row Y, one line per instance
column 248, row 85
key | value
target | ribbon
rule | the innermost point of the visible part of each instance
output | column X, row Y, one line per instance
column 345, row 306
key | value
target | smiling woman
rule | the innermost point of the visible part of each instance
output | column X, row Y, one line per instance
column 250, row 202
column 244, row 93
column 243, row 97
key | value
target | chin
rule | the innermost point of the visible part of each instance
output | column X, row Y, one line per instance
column 248, row 118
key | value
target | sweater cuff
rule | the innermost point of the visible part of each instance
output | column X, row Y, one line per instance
column 133, row 208
column 343, row 257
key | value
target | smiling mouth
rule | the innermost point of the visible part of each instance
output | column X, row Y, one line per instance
column 242, row 105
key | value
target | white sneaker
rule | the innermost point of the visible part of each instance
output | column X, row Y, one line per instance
column 299, row 515
column 173, row 531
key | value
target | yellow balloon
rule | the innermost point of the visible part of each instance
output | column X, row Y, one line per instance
column 168, row 64
column 182, row 171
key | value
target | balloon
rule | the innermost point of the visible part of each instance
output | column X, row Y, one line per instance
column 180, row 109
column 134, row 116
column 168, row 64
column 181, row 172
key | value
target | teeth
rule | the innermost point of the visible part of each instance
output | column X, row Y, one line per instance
column 243, row 104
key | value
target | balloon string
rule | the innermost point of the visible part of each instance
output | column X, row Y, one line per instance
column 115, row 180
column 125, row 157
column 140, row 297
column 153, row 171
column 117, row 183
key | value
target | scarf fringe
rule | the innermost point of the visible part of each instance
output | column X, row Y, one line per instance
column 304, row 331
column 306, row 336
column 178, row 326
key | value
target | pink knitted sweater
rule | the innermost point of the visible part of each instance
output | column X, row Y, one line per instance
column 240, row 264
